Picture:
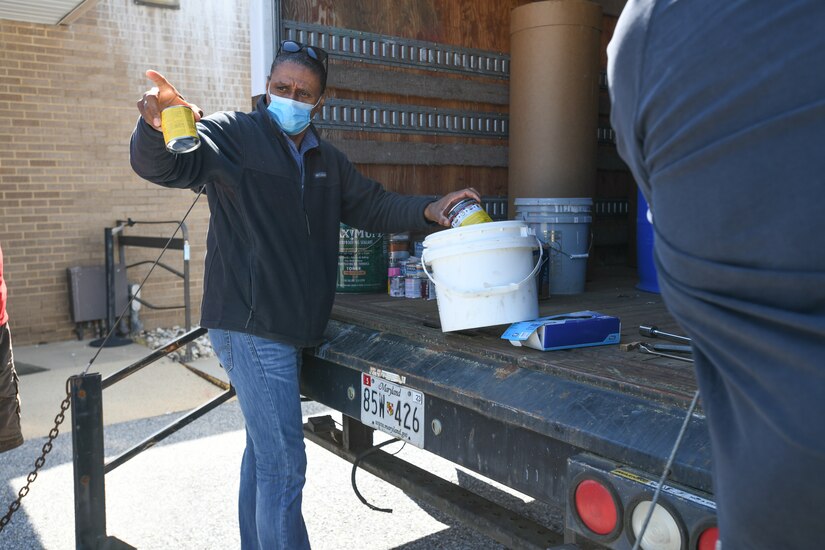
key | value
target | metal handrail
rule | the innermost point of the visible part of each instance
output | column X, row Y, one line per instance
column 86, row 392
column 159, row 353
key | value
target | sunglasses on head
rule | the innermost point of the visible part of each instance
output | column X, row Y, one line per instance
column 314, row 52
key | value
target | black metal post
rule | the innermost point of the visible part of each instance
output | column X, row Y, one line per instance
column 357, row 437
column 111, row 339
column 186, row 298
column 187, row 310
column 111, row 293
column 87, row 456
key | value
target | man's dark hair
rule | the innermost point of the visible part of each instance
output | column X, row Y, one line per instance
column 302, row 58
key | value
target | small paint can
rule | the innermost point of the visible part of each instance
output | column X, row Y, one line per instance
column 397, row 286
column 399, row 242
column 412, row 287
column 430, row 289
column 467, row 212
column 179, row 131
column 413, row 267
column 399, row 256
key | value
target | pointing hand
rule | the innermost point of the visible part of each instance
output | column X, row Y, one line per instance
column 159, row 97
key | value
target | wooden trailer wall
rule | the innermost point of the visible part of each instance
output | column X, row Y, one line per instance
column 426, row 162
column 447, row 62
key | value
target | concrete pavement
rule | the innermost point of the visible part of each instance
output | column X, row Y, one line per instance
column 181, row 494
column 160, row 388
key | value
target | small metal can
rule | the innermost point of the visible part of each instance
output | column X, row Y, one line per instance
column 399, row 256
column 412, row 287
column 467, row 212
column 179, row 131
column 397, row 286
column 430, row 290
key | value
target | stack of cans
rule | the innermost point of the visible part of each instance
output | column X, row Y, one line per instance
column 399, row 253
column 395, row 281
column 405, row 275
column 417, row 284
column 415, row 278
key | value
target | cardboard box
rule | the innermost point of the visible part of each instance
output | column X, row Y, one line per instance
column 568, row 330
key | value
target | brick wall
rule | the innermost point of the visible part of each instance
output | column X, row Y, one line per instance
column 67, row 109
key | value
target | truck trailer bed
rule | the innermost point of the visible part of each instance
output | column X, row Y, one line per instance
column 661, row 379
column 515, row 414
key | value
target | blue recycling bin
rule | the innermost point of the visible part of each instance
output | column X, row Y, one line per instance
column 644, row 248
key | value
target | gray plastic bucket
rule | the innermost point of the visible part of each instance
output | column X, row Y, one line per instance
column 563, row 226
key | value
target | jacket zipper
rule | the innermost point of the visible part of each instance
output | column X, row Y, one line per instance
column 307, row 290
column 303, row 194
column 251, row 290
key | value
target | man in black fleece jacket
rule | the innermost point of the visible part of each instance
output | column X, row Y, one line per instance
column 277, row 193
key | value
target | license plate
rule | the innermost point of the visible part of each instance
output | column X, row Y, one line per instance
column 392, row 408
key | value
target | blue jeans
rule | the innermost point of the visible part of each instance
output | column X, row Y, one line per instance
column 265, row 376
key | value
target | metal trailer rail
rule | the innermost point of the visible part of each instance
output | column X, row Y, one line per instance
column 89, row 468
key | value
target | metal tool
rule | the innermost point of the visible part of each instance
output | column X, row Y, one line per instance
column 679, row 348
column 644, row 349
column 653, row 332
column 629, row 346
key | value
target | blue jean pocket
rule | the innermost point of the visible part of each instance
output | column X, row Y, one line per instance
column 222, row 346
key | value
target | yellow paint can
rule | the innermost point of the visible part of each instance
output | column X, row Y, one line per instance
column 467, row 212
column 179, row 131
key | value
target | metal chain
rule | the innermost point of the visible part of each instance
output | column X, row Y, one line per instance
column 41, row 460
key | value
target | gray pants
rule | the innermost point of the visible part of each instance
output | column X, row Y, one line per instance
column 10, row 434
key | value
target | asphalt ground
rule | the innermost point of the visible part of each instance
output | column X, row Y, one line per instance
column 182, row 493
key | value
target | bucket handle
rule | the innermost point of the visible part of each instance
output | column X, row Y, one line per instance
column 571, row 256
column 558, row 250
column 493, row 289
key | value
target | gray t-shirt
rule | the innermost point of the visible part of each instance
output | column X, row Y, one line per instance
column 719, row 109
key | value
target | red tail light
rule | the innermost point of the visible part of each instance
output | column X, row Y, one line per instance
column 708, row 538
column 596, row 507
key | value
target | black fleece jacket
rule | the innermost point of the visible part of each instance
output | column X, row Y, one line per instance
column 272, row 251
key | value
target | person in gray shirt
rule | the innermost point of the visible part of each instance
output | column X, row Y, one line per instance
column 718, row 108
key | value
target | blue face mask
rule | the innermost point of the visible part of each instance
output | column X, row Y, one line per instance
column 292, row 116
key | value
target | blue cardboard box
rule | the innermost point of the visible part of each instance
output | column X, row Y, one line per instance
column 568, row 330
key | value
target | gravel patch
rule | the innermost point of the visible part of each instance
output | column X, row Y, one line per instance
column 159, row 337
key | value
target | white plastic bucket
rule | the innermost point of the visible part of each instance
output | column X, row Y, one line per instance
column 563, row 227
column 483, row 274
